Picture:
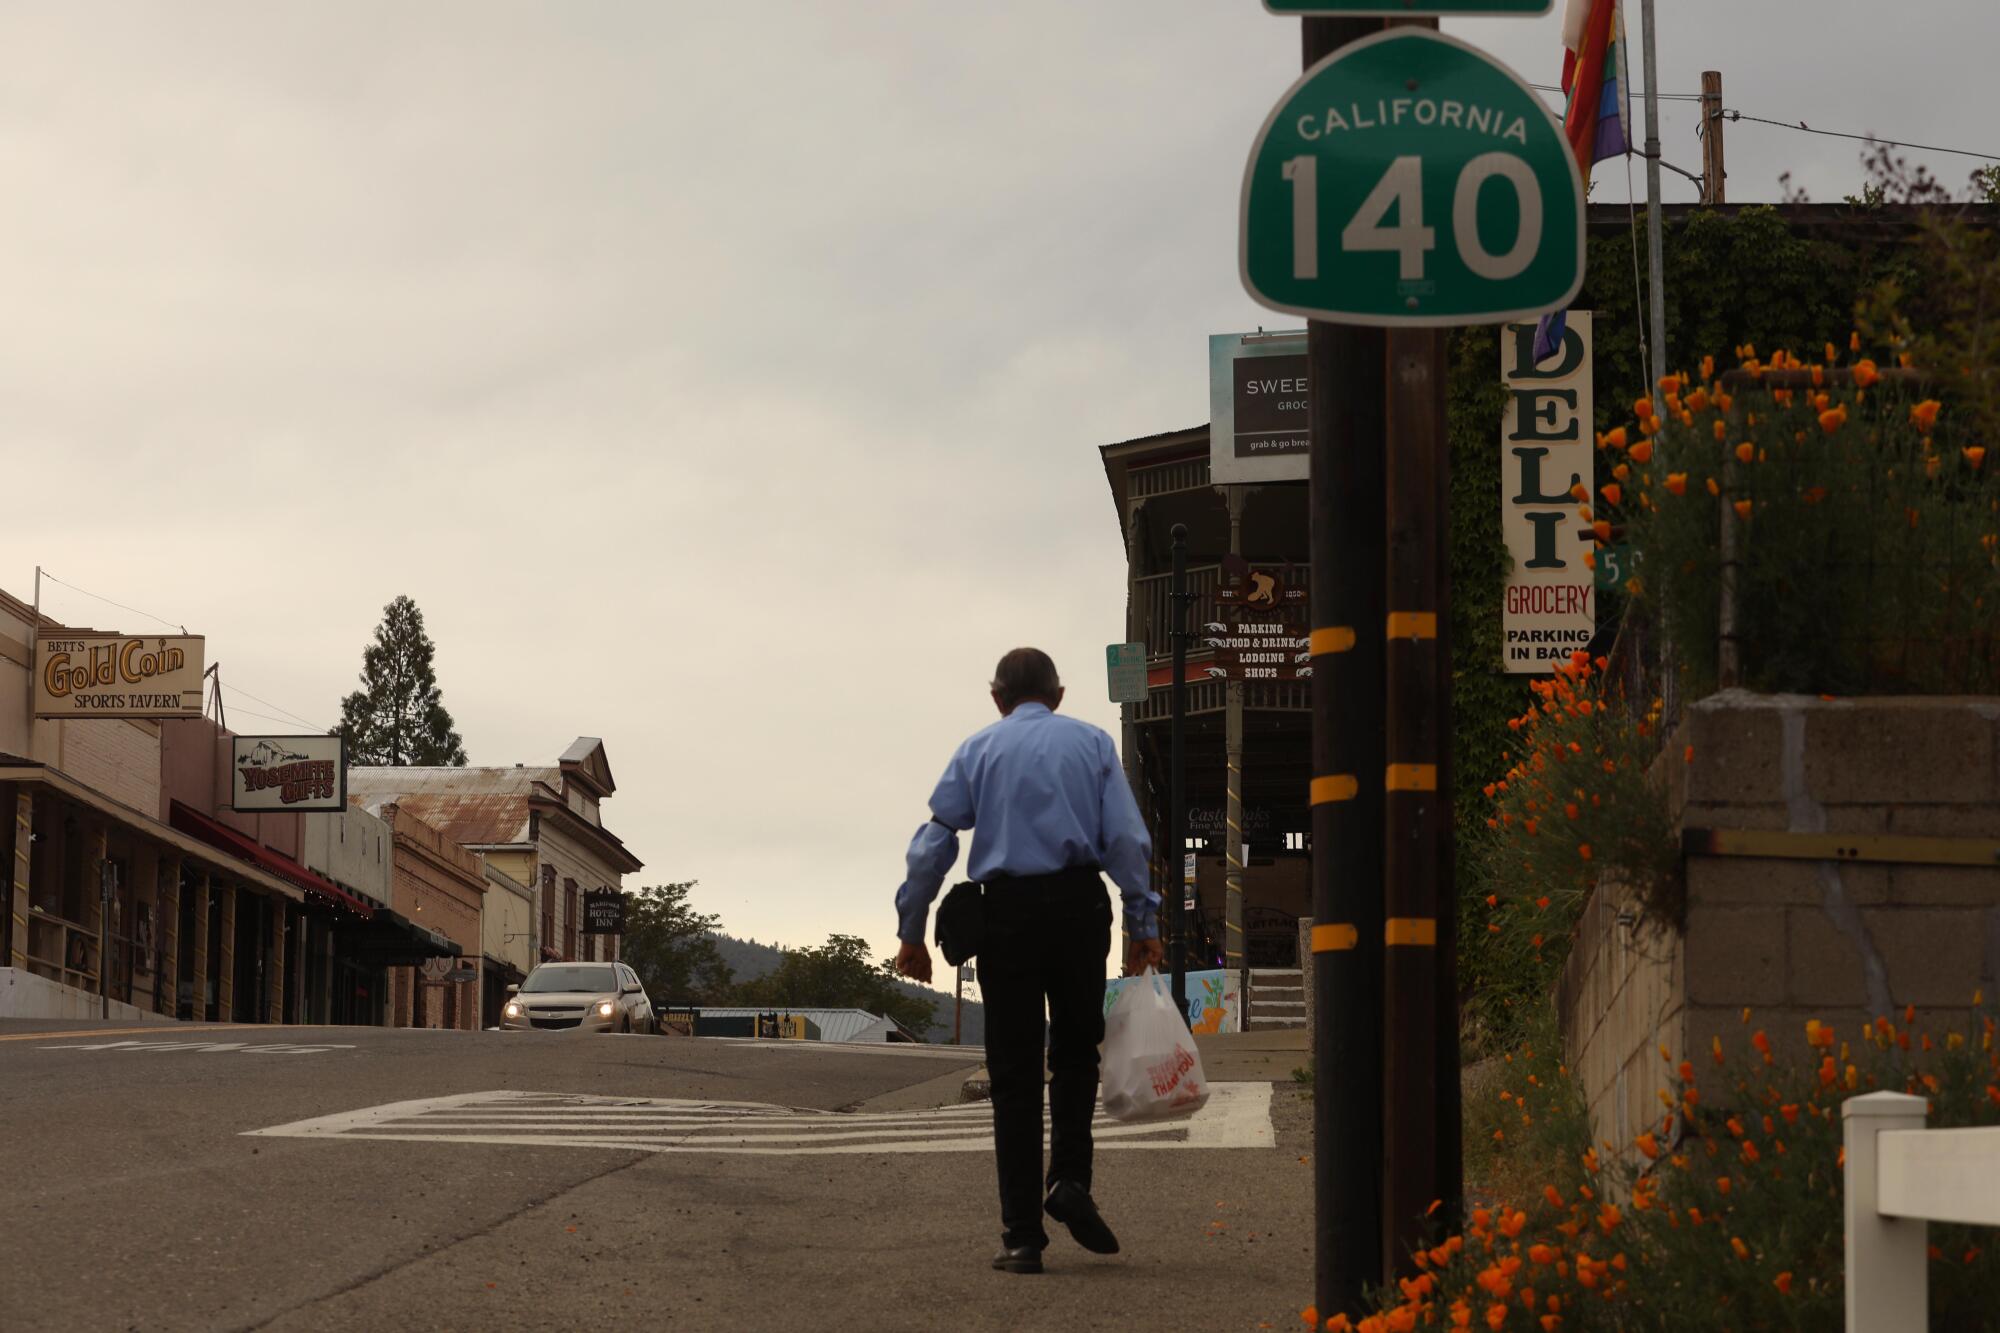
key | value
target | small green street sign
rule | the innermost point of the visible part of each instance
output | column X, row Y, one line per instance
column 1126, row 665
column 1411, row 179
column 1615, row 565
column 1393, row 9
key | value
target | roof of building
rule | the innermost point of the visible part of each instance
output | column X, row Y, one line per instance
column 471, row 806
column 497, row 807
column 833, row 1024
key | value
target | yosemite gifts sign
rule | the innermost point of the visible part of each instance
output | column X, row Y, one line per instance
column 1550, row 606
column 118, row 675
column 288, row 773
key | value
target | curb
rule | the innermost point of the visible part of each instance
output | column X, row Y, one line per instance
column 978, row 1087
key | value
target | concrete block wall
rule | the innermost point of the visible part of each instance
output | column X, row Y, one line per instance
column 1839, row 941
column 1621, row 998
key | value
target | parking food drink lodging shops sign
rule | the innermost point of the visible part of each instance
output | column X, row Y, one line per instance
column 118, row 675
column 287, row 773
column 1546, row 437
column 1411, row 179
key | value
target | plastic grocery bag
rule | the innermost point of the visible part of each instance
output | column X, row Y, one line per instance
column 1152, row 1070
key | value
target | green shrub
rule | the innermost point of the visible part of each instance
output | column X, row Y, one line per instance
column 1864, row 520
column 1728, row 1214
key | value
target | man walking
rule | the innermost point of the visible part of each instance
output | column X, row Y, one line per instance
column 1049, row 808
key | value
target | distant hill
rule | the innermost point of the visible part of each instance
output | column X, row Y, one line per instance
column 749, row 959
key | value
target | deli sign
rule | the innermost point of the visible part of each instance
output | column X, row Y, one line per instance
column 287, row 773
column 1550, row 606
column 118, row 675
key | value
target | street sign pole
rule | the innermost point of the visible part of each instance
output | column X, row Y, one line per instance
column 1345, row 427
column 1177, row 772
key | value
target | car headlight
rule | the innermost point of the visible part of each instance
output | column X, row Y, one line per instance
column 512, row 1010
column 604, row 1008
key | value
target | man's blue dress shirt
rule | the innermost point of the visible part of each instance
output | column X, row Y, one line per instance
column 1041, row 793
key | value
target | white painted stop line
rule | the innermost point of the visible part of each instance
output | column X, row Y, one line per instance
column 1238, row 1115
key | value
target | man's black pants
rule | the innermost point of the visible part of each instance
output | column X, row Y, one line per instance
column 1046, row 937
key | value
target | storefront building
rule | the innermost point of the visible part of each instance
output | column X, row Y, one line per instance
column 507, row 935
column 539, row 826
column 441, row 889
column 111, row 906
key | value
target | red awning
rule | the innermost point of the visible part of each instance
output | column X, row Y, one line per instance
column 246, row 848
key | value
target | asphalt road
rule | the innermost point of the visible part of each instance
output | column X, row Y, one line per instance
column 137, row 1196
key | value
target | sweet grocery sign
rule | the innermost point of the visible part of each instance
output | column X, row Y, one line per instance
column 1410, row 179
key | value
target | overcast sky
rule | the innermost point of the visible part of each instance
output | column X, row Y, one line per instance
column 724, row 380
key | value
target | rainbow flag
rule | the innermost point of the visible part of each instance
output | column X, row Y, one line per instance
column 1597, row 120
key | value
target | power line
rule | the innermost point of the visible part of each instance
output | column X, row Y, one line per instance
column 1865, row 138
column 289, row 716
column 171, row 624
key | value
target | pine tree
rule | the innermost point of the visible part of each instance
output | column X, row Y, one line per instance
column 397, row 719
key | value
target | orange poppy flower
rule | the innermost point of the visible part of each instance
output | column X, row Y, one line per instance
column 1832, row 354
column 1642, row 407
column 1601, row 530
column 1854, row 341
column 1583, row 850
column 1743, row 508
column 1698, row 401
column 1974, row 454
column 1648, row 1145
column 1925, row 414
column 1670, row 384
column 1616, row 437
column 1783, row 1282
column 1612, row 493
column 1677, row 482
column 1746, row 452
column 1642, row 452
column 1865, row 373
column 1833, row 419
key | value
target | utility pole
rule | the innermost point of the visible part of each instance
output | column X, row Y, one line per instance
column 958, row 1007
column 1712, row 174
column 1346, row 427
column 1177, row 777
column 1417, row 811
column 1655, row 252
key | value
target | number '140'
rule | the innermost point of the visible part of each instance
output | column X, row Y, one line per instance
column 1402, row 186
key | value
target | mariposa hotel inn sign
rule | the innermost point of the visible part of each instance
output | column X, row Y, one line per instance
column 1550, row 606
column 118, row 675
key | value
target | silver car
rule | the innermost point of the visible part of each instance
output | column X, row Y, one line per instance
column 578, row 997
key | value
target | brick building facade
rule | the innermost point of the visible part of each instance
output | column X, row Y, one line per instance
column 442, row 886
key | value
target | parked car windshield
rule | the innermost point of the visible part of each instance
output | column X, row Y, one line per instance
column 590, row 978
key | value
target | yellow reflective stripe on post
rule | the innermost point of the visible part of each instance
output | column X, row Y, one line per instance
column 1333, row 939
column 1416, row 930
column 1413, row 625
column 1335, row 639
column 1339, row 787
column 1412, row 777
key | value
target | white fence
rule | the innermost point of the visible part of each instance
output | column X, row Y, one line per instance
column 1902, row 1177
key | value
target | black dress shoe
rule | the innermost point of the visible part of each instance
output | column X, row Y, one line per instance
column 1018, row 1259
column 1070, row 1204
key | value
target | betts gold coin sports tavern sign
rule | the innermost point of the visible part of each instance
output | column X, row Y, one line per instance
column 118, row 675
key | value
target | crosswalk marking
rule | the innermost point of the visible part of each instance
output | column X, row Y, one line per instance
column 1238, row 1115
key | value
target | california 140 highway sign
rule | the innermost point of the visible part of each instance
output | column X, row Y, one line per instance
column 1411, row 179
